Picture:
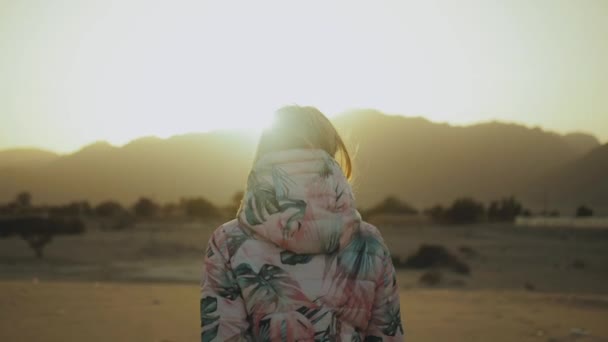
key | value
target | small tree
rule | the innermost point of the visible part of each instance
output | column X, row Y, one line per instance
column 169, row 209
column 584, row 211
column 113, row 216
column 465, row 210
column 146, row 208
column 24, row 199
column 199, row 207
column 37, row 231
column 506, row 209
column 437, row 212
column 549, row 213
column 22, row 204
column 391, row 205
column 80, row 208
column 108, row 209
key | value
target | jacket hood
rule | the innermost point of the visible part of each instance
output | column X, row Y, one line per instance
column 300, row 200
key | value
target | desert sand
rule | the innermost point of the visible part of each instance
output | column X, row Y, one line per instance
column 57, row 311
column 143, row 285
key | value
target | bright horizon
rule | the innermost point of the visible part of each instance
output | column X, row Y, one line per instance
column 254, row 134
column 75, row 72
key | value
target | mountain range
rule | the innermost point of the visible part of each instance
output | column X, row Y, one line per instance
column 419, row 161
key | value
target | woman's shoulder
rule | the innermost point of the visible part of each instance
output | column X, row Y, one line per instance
column 371, row 236
column 227, row 227
column 371, row 230
column 228, row 237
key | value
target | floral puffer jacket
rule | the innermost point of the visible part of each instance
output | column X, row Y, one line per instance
column 298, row 263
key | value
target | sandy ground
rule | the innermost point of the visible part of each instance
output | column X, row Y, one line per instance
column 91, row 311
column 142, row 285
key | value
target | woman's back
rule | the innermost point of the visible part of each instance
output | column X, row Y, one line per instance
column 298, row 264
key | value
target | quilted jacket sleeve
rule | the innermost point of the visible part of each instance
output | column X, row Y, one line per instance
column 223, row 313
column 385, row 324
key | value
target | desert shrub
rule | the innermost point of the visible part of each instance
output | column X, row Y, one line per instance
column 506, row 209
column 436, row 256
column 23, row 199
column 584, row 211
column 199, row 207
column 170, row 209
column 39, row 231
column 109, row 209
column 550, row 213
column 113, row 216
column 436, row 212
column 8, row 209
column 462, row 210
column 465, row 210
column 78, row 208
column 22, row 204
column 145, row 208
column 392, row 206
column 119, row 222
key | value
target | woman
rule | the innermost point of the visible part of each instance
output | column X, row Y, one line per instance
column 298, row 263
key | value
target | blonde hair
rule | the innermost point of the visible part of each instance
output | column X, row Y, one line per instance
column 304, row 127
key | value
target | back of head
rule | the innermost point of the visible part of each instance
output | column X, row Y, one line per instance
column 298, row 195
column 297, row 127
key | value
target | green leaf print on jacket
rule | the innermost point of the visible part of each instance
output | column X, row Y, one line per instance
column 360, row 258
column 271, row 289
column 392, row 319
column 291, row 258
column 261, row 199
column 360, row 262
column 208, row 317
column 265, row 198
column 208, row 307
column 221, row 279
column 264, row 330
column 209, row 251
column 281, row 182
column 390, row 322
column 331, row 333
column 285, row 326
column 234, row 240
column 314, row 313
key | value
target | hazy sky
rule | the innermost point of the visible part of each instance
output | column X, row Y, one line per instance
column 72, row 72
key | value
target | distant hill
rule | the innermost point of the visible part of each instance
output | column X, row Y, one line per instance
column 581, row 142
column 25, row 158
column 213, row 165
column 419, row 161
column 582, row 181
column 425, row 163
